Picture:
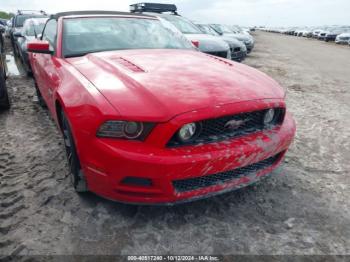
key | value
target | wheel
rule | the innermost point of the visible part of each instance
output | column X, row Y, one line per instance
column 5, row 102
column 76, row 174
column 41, row 100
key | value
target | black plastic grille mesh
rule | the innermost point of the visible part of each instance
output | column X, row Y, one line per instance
column 236, row 49
column 219, row 54
column 221, row 178
column 215, row 130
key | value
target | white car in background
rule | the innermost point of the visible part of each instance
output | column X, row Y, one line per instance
column 316, row 32
column 343, row 38
column 307, row 33
column 8, row 28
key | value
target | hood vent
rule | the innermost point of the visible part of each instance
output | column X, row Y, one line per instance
column 127, row 64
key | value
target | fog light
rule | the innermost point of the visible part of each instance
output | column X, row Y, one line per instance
column 187, row 132
column 269, row 116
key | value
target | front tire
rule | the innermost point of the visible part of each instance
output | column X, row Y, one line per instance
column 41, row 100
column 76, row 174
column 5, row 102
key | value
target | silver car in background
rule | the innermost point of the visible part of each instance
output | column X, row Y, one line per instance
column 238, row 48
column 343, row 38
column 32, row 28
column 225, row 30
column 209, row 44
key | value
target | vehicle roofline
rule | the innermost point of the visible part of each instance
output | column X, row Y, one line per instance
column 97, row 13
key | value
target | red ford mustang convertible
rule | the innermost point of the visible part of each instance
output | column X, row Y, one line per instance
column 147, row 118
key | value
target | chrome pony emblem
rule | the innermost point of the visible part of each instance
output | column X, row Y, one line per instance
column 234, row 124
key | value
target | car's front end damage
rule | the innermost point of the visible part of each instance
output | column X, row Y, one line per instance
column 157, row 172
column 198, row 134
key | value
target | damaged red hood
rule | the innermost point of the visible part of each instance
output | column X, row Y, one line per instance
column 160, row 84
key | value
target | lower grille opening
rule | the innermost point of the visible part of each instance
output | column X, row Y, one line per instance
column 237, row 49
column 224, row 177
column 137, row 181
column 219, row 54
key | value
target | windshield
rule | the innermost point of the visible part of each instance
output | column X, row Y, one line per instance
column 87, row 35
column 222, row 29
column 35, row 27
column 185, row 26
column 208, row 30
column 20, row 19
column 236, row 29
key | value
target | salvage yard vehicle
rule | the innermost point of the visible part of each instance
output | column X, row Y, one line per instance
column 225, row 30
column 343, row 38
column 332, row 35
column 316, row 32
column 322, row 35
column 31, row 29
column 4, row 98
column 307, row 33
column 18, row 21
column 209, row 44
column 147, row 118
column 238, row 48
column 8, row 28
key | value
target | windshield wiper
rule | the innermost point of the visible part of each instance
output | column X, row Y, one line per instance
column 76, row 55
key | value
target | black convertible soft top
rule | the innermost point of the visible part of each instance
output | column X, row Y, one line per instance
column 96, row 12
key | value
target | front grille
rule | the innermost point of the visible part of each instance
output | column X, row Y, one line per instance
column 219, row 54
column 236, row 49
column 224, row 177
column 218, row 129
column 237, row 55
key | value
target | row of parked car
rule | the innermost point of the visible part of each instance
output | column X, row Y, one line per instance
column 337, row 34
column 231, row 42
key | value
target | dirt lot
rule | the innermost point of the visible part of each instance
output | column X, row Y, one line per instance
column 303, row 208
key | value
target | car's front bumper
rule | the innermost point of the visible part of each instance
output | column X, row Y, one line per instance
column 109, row 162
column 250, row 46
column 238, row 56
column 342, row 42
column 330, row 38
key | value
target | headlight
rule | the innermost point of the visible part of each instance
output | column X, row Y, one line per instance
column 125, row 129
column 269, row 116
column 229, row 54
column 188, row 132
column 133, row 129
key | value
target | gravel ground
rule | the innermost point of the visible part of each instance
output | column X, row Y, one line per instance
column 303, row 208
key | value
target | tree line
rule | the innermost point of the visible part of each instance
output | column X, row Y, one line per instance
column 5, row 15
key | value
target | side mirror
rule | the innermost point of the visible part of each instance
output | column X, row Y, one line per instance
column 17, row 34
column 41, row 47
column 195, row 43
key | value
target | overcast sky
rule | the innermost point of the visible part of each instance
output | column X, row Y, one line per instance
column 243, row 12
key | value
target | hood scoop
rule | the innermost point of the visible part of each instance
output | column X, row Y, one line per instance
column 127, row 64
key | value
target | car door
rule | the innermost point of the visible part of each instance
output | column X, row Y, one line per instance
column 45, row 65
